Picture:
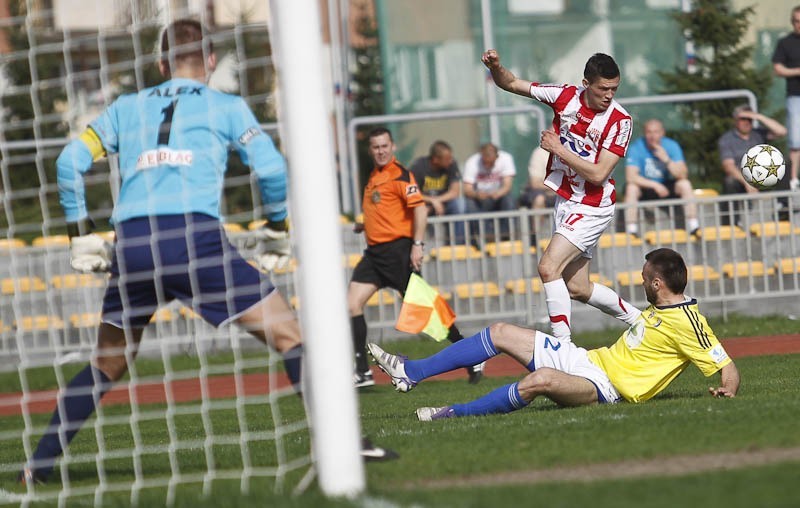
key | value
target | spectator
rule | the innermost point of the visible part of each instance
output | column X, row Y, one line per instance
column 734, row 143
column 655, row 169
column 440, row 182
column 488, row 177
column 786, row 64
column 536, row 195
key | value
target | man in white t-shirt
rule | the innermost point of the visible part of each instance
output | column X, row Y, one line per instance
column 589, row 135
column 488, row 178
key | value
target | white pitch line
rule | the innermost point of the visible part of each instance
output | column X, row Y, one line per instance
column 6, row 496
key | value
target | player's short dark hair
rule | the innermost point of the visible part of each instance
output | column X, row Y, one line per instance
column 599, row 66
column 670, row 267
column 380, row 131
column 183, row 40
column 438, row 147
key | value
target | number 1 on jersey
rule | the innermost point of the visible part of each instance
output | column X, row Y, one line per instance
column 165, row 126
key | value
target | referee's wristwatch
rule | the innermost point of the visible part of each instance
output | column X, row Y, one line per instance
column 419, row 242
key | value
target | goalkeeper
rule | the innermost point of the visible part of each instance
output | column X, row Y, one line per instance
column 172, row 141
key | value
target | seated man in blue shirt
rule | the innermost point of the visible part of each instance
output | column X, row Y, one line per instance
column 655, row 169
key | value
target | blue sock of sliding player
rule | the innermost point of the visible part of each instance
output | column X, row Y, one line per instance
column 464, row 353
column 501, row 400
column 74, row 407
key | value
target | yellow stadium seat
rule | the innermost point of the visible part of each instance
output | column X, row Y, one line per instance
column 506, row 248
column 85, row 320
column 78, row 280
column 108, row 236
column 619, row 240
column 187, row 313
column 477, row 290
column 11, row 243
column 543, row 244
column 702, row 272
column 39, row 323
column 382, row 297
column 232, row 227
column 351, row 260
column 455, row 252
column 447, row 295
column 344, row 220
column 518, row 286
column 746, row 269
column 705, row 193
column 632, row 277
column 163, row 315
column 51, row 241
column 255, row 225
column 600, row 279
column 22, row 284
column 789, row 265
column 666, row 236
column 294, row 302
column 722, row 233
column 780, row 228
column 289, row 268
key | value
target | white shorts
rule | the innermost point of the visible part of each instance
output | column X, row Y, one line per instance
column 581, row 224
column 565, row 356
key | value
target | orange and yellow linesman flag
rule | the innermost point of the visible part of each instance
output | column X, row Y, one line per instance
column 424, row 311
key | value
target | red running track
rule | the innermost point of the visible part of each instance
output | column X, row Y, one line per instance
column 220, row 387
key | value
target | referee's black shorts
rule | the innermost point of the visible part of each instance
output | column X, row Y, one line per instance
column 386, row 265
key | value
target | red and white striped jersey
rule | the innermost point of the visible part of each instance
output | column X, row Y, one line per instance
column 585, row 132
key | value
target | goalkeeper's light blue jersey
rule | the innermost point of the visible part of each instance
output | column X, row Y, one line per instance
column 173, row 141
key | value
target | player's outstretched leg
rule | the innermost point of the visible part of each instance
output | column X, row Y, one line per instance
column 406, row 373
column 501, row 400
column 78, row 401
column 474, row 372
column 607, row 300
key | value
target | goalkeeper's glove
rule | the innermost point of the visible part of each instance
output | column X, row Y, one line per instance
column 87, row 252
column 794, row 184
column 273, row 249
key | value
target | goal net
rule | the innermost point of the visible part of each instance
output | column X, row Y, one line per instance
column 200, row 405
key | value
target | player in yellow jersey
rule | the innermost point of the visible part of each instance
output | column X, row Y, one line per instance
column 668, row 336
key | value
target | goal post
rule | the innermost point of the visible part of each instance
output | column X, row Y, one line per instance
column 295, row 30
column 200, row 405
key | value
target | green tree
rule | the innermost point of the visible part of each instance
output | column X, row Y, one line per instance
column 30, row 113
column 366, row 86
column 722, row 63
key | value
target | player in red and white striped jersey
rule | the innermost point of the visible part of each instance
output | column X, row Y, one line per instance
column 589, row 135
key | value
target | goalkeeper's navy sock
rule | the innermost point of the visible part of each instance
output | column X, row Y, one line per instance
column 292, row 361
column 453, row 335
column 359, row 325
column 501, row 400
column 464, row 353
column 75, row 405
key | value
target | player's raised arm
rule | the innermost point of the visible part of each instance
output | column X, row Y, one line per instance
column 503, row 77
column 595, row 173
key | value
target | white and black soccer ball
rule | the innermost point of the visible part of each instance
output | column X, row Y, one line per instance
column 763, row 166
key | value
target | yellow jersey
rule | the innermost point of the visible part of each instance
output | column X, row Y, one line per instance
column 658, row 347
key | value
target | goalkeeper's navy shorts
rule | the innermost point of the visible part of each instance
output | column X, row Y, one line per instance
column 185, row 257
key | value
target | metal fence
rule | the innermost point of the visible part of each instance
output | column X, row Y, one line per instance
column 746, row 262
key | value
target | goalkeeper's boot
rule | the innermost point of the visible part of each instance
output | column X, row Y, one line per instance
column 30, row 476
column 372, row 453
column 393, row 365
column 428, row 414
column 475, row 373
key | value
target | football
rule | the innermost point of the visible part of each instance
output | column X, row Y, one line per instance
column 763, row 166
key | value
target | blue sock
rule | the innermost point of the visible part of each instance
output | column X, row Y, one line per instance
column 72, row 411
column 292, row 361
column 464, row 353
column 501, row 400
